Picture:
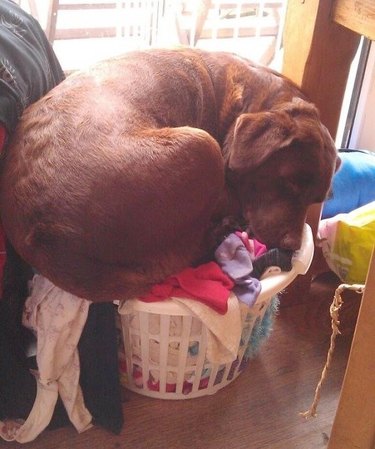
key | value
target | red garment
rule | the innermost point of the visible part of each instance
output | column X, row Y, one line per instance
column 206, row 283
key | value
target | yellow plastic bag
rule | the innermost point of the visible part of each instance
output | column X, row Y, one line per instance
column 347, row 241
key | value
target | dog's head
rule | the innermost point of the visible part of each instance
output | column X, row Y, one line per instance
column 278, row 163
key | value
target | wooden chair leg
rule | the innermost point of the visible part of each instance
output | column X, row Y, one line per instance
column 354, row 424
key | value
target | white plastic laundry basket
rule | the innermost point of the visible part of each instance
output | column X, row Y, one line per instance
column 164, row 353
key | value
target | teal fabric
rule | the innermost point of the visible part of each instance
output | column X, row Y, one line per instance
column 262, row 329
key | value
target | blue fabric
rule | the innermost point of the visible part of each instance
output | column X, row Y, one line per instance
column 354, row 183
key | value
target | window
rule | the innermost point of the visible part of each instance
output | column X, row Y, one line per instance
column 83, row 32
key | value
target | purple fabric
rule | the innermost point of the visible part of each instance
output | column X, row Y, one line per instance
column 235, row 260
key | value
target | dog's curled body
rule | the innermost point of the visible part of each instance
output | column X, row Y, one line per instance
column 112, row 180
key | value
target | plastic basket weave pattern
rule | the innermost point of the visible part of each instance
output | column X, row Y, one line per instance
column 164, row 353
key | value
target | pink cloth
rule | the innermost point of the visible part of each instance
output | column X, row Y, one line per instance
column 245, row 239
column 259, row 248
column 255, row 247
column 206, row 283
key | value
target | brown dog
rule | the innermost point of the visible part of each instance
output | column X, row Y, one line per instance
column 113, row 179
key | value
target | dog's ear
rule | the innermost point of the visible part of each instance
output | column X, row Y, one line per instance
column 258, row 135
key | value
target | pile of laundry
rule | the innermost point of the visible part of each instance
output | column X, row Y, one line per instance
column 68, row 373
column 72, row 376
column 239, row 265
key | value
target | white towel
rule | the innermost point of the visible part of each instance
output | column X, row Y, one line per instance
column 57, row 318
column 223, row 331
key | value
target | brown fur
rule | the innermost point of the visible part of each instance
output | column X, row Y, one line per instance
column 113, row 179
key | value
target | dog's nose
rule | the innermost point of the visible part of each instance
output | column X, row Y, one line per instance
column 291, row 241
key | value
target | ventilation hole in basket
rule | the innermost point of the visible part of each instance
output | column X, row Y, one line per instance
column 203, row 384
column 135, row 343
column 154, row 324
column 173, row 354
column 137, row 376
column 153, row 382
column 171, row 375
column 193, row 348
column 175, row 326
column 244, row 363
column 170, row 388
column 189, row 376
column 205, row 377
column 187, row 388
column 196, row 327
column 232, row 369
column 219, row 375
column 154, row 351
column 174, row 345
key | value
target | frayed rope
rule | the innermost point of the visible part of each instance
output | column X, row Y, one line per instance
column 334, row 312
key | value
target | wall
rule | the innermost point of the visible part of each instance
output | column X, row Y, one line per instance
column 363, row 133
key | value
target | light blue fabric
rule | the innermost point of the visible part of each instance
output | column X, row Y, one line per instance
column 354, row 183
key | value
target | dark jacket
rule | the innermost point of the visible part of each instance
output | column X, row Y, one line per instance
column 28, row 66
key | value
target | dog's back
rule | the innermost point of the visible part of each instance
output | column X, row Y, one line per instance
column 104, row 191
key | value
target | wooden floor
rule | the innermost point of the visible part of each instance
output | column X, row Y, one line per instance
column 260, row 409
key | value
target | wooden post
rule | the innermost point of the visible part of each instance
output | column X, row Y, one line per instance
column 359, row 16
column 317, row 56
column 354, row 424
